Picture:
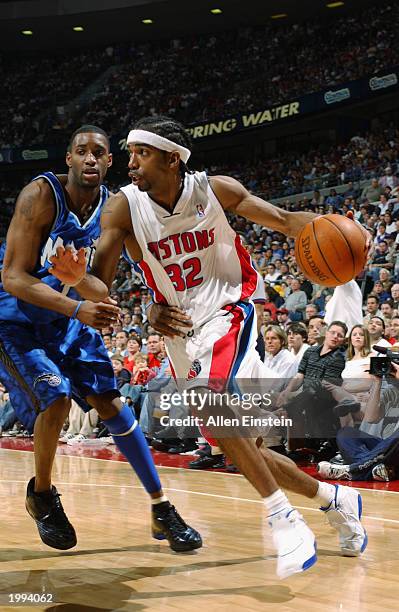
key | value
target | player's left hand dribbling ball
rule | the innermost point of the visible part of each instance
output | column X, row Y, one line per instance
column 331, row 250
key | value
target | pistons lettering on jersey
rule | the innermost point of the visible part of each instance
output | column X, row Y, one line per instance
column 177, row 244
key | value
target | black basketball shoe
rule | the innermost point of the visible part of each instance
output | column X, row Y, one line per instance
column 167, row 524
column 46, row 509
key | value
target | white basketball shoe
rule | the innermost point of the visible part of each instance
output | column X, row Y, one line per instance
column 294, row 541
column 344, row 514
column 333, row 471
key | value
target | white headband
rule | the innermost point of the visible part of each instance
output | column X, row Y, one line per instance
column 159, row 142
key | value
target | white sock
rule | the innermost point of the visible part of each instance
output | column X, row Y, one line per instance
column 325, row 495
column 276, row 502
column 159, row 500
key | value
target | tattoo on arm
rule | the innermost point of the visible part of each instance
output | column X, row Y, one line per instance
column 108, row 208
column 26, row 207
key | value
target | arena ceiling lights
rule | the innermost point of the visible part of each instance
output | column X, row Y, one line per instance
column 78, row 29
column 216, row 11
column 27, row 32
column 147, row 21
column 120, row 21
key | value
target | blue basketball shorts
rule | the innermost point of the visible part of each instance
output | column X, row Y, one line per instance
column 41, row 363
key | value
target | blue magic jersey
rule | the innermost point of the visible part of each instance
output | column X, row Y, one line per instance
column 66, row 230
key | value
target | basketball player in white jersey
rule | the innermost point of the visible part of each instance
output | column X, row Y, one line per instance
column 172, row 224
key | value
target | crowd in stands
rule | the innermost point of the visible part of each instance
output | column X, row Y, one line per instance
column 33, row 85
column 293, row 61
column 360, row 158
column 197, row 78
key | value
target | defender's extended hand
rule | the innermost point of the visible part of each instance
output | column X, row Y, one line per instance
column 98, row 315
column 68, row 265
column 169, row 320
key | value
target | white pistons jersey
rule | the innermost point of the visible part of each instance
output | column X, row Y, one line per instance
column 192, row 258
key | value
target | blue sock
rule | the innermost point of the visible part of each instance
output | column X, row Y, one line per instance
column 130, row 440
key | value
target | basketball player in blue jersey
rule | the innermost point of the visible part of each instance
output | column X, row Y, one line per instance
column 172, row 224
column 49, row 351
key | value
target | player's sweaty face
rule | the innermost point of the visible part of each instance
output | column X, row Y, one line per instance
column 148, row 166
column 89, row 159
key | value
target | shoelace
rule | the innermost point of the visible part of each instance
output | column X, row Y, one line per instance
column 175, row 520
column 57, row 507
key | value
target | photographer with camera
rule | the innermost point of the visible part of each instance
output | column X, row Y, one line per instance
column 370, row 457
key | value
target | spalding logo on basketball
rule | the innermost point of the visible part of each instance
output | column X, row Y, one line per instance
column 331, row 250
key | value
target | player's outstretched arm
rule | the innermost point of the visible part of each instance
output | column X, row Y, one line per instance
column 29, row 229
column 235, row 198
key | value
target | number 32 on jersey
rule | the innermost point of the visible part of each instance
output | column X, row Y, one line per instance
column 185, row 276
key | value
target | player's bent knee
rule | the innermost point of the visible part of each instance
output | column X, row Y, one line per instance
column 56, row 413
column 107, row 405
column 61, row 406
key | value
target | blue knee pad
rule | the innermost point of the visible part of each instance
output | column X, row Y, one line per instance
column 131, row 442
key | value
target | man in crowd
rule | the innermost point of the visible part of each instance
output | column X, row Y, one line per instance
column 372, row 308
column 381, row 259
column 376, row 329
column 282, row 318
column 311, row 310
column 153, row 350
column 312, row 412
column 271, row 273
column 387, row 311
column 372, row 192
column 296, row 302
column 297, row 336
column 316, row 330
column 121, row 342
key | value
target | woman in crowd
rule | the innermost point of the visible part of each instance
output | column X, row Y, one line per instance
column 356, row 377
column 133, row 347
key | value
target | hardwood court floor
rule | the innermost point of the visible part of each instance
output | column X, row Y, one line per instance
column 117, row 566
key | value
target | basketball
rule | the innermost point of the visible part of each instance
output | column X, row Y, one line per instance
column 331, row 250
